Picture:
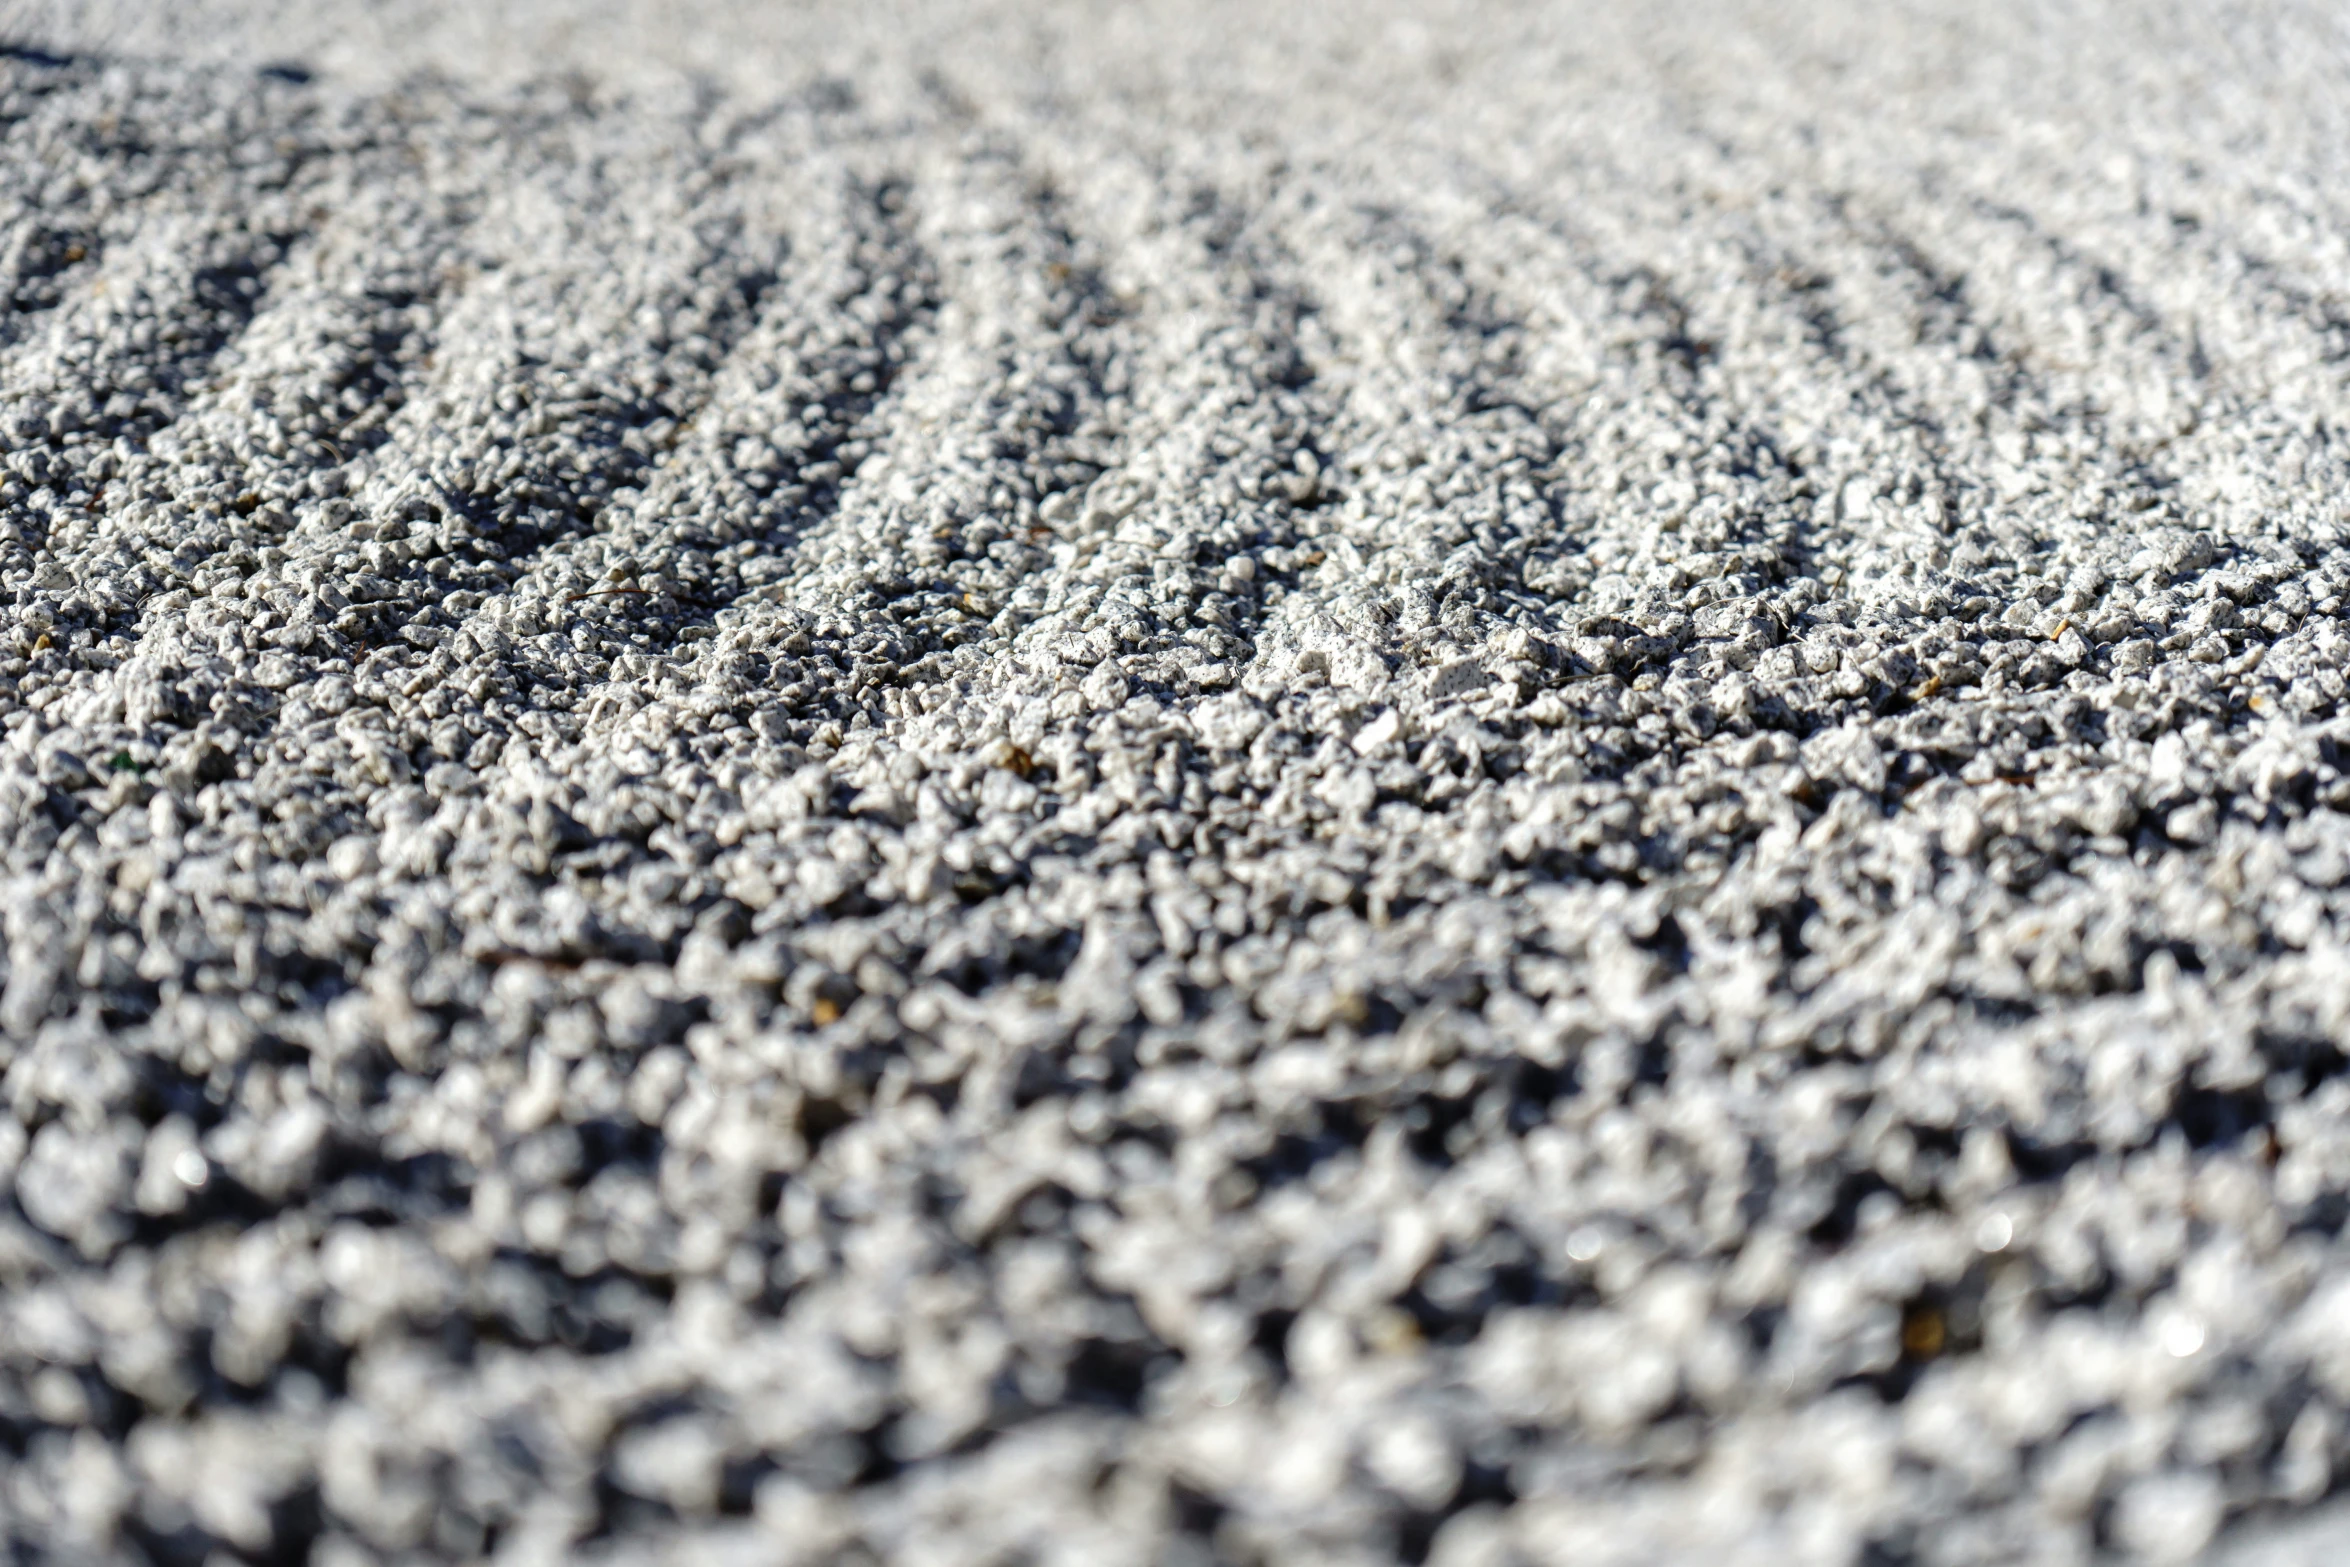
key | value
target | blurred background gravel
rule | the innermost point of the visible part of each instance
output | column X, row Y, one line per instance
column 1476, row 783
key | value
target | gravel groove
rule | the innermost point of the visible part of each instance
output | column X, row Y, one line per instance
column 1456, row 782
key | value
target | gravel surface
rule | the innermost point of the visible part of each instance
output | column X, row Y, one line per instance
column 1040, row 784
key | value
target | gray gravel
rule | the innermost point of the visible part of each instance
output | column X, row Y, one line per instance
column 1056, row 785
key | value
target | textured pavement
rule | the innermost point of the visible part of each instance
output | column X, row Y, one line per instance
column 1483, row 784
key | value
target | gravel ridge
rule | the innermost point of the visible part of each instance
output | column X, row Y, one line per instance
column 1026, row 783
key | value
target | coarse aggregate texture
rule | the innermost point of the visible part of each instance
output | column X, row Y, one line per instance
column 1477, row 784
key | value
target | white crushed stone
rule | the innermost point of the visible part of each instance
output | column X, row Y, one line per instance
column 956, row 785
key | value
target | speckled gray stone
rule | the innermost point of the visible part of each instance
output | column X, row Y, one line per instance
column 943, row 785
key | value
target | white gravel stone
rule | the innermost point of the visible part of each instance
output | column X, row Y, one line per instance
column 952, row 784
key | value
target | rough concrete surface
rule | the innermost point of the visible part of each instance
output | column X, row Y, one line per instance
column 1185, row 783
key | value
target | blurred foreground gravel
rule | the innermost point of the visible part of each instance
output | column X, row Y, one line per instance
column 1050, row 784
